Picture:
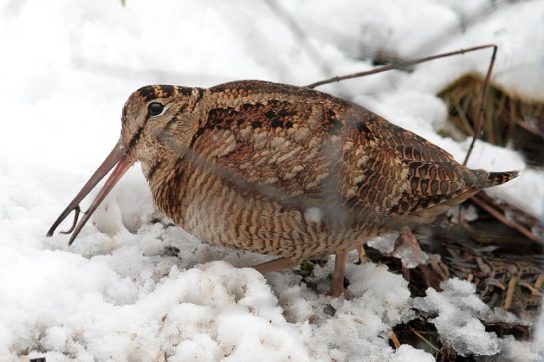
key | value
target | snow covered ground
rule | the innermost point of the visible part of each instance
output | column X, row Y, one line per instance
column 119, row 293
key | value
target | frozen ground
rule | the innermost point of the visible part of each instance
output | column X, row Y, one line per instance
column 119, row 293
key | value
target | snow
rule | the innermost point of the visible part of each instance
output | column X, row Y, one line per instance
column 456, row 306
column 134, row 288
column 520, row 351
column 408, row 353
column 410, row 257
column 459, row 313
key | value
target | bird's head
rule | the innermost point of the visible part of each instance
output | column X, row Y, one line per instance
column 158, row 121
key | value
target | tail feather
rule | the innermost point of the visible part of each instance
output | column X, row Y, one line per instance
column 498, row 178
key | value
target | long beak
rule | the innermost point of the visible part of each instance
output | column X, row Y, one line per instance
column 117, row 158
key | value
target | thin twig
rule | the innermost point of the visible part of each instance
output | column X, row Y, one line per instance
column 400, row 65
column 424, row 340
column 506, row 221
column 533, row 290
column 510, row 292
column 464, row 120
column 394, row 339
column 483, row 99
column 539, row 281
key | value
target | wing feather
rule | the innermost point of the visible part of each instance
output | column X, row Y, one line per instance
column 312, row 146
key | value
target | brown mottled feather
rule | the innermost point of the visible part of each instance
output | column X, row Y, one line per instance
column 293, row 142
column 250, row 158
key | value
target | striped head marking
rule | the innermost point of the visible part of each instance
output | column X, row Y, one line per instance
column 156, row 116
column 157, row 119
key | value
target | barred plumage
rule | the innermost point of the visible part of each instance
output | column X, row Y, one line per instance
column 285, row 170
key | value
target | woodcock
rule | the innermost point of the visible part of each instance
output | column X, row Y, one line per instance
column 281, row 170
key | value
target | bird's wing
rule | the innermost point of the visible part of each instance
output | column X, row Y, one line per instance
column 278, row 144
column 313, row 148
column 402, row 173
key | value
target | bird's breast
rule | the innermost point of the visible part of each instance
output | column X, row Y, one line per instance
column 214, row 211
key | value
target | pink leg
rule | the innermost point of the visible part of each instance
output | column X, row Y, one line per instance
column 362, row 255
column 337, row 287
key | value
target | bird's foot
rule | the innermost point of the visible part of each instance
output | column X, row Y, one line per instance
column 408, row 250
column 362, row 255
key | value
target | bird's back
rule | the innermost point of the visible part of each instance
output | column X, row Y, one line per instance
column 288, row 150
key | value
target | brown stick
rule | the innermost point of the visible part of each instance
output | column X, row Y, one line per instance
column 506, row 221
column 393, row 337
column 510, row 292
column 401, row 65
column 539, row 281
column 424, row 339
column 483, row 99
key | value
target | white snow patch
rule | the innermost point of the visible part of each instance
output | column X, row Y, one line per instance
column 521, row 351
column 458, row 309
column 385, row 243
column 407, row 353
column 409, row 256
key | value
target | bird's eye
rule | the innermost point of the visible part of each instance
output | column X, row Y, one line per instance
column 154, row 109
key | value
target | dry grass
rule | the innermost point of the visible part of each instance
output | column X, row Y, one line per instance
column 507, row 120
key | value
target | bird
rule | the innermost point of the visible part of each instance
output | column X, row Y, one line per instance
column 280, row 170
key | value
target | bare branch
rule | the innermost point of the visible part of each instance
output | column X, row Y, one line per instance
column 483, row 99
column 401, row 65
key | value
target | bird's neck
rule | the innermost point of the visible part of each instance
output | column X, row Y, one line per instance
column 166, row 180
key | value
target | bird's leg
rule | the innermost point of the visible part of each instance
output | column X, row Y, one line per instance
column 337, row 286
column 408, row 250
column 362, row 255
column 275, row 265
column 406, row 236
